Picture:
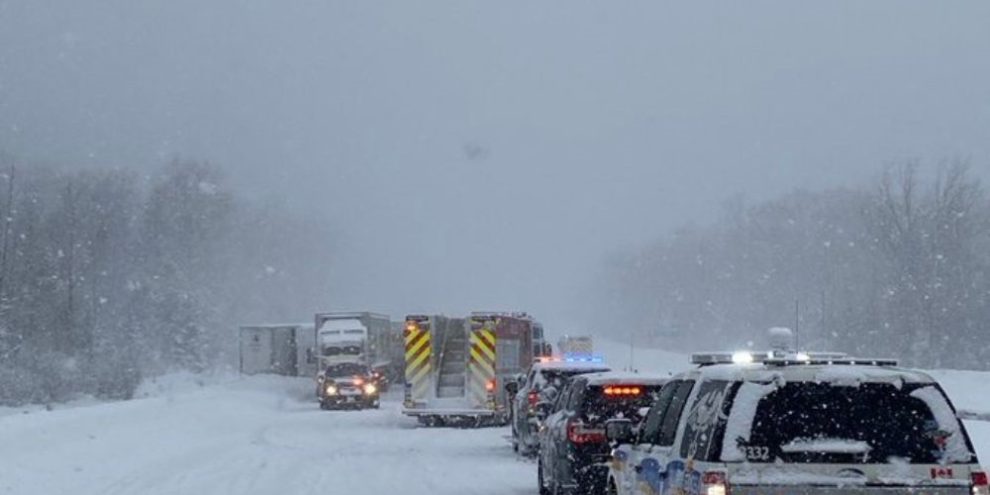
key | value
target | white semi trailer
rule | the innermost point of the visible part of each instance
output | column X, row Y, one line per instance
column 357, row 337
column 280, row 349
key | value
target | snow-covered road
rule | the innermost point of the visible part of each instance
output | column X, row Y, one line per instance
column 249, row 436
column 265, row 435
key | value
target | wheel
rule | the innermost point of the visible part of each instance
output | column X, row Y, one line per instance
column 324, row 405
column 541, row 483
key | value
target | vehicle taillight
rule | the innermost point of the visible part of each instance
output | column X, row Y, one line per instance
column 490, row 385
column 534, row 398
column 714, row 483
column 980, row 484
column 577, row 433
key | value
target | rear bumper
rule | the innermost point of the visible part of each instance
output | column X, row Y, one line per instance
column 342, row 400
column 849, row 490
column 528, row 436
column 474, row 413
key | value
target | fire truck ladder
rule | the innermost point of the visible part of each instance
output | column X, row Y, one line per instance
column 453, row 363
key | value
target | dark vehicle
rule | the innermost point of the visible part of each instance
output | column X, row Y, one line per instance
column 573, row 450
column 348, row 385
column 541, row 385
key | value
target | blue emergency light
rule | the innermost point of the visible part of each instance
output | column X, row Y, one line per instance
column 583, row 358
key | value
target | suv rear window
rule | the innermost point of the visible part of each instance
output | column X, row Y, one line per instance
column 559, row 377
column 808, row 422
column 599, row 407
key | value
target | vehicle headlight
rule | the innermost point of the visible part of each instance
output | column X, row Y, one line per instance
column 370, row 389
column 331, row 390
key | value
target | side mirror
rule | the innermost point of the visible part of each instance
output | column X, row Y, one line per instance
column 619, row 430
column 511, row 387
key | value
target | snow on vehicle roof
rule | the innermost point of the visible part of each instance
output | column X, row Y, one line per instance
column 343, row 324
column 278, row 325
column 611, row 377
column 570, row 365
column 836, row 373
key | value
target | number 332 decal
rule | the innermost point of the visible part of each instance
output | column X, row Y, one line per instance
column 757, row 453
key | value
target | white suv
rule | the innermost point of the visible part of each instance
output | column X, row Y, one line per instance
column 796, row 425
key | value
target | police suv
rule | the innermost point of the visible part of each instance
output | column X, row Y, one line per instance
column 796, row 423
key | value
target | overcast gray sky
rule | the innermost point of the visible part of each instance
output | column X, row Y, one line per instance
column 488, row 154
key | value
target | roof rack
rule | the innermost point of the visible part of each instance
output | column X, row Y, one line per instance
column 786, row 358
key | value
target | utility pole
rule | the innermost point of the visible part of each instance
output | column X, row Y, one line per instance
column 797, row 324
column 632, row 334
column 825, row 335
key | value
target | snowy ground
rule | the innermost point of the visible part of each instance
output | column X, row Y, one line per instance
column 249, row 436
column 264, row 435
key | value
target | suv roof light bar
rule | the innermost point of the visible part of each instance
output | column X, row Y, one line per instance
column 572, row 358
column 779, row 358
column 840, row 361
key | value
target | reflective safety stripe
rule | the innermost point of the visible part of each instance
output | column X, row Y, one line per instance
column 419, row 351
column 481, row 366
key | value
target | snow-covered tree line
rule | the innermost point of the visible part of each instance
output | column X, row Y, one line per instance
column 896, row 268
column 108, row 276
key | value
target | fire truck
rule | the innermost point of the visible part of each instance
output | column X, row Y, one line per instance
column 456, row 367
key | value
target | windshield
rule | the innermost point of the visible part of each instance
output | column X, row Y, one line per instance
column 869, row 423
column 346, row 369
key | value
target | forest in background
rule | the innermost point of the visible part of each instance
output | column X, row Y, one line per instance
column 895, row 268
column 108, row 275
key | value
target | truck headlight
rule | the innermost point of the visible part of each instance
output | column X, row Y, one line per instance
column 331, row 390
column 370, row 389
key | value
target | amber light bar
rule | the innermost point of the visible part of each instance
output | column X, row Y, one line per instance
column 614, row 390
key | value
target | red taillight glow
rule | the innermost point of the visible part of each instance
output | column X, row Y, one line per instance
column 714, row 483
column 358, row 381
column 490, row 385
column 577, row 433
column 534, row 398
column 622, row 390
column 981, row 484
